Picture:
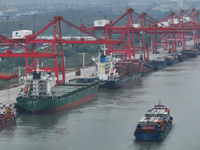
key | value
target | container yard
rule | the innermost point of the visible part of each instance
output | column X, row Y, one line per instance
column 132, row 78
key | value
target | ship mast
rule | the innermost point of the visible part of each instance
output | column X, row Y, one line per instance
column 103, row 48
column 37, row 66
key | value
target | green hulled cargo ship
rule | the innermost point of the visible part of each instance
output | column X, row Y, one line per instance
column 40, row 93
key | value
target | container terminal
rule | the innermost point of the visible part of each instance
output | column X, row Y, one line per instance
column 169, row 37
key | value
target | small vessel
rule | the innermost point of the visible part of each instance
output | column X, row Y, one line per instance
column 41, row 94
column 155, row 125
column 190, row 52
column 147, row 68
column 197, row 47
column 115, row 73
column 181, row 57
column 159, row 63
column 172, row 59
column 8, row 115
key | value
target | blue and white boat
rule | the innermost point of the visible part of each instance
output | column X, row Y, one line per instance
column 159, row 63
column 113, row 72
column 172, row 59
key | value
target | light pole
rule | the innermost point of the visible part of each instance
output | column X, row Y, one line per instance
column 19, row 74
column 83, row 53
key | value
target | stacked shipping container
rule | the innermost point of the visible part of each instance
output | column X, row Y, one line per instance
column 128, row 67
column 152, row 118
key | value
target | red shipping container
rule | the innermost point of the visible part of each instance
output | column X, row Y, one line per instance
column 151, row 128
column 167, row 110
column 160, row 122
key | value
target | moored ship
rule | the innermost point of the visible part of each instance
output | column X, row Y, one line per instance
column 8, row 115
column 147, row 68
column 172, row 59
column 115, row 73
column 159, row 63
column 155, row 125
column 190, row 52
column 41, row 94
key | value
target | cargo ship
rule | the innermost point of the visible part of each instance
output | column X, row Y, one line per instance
column 172, row 59
column 155, row 125
column 190, row 52
column 159, row 63
column 8, row 115
column 181, row 57
column 115, row 73
column 147, row 68
column 41, row 94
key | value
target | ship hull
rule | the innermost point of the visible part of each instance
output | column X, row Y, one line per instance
column 147, row 72
column 190, row 53
column 152, row 137
column 159, row 63
column 58, row 103
column 106, row 84
column 158, row 66
column 172, row 62
column 7, row 122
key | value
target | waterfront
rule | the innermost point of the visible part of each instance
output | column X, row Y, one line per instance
column 108, row 122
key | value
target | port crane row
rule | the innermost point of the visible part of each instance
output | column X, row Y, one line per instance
column 120, row 37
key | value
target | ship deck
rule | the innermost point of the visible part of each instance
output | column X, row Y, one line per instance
column 64, row 89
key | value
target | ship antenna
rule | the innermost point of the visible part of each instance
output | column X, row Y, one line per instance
column 159, row 103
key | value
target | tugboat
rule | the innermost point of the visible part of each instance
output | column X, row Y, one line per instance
column 155, row 125
column 41, row 94
column 115, row 73
column 8, row 115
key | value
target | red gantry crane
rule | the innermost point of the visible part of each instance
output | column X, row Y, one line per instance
column 188, row 25
column 120, row 37
column 54, row 49
column 128, row 30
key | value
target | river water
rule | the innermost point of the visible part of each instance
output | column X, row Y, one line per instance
column 108, row 122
